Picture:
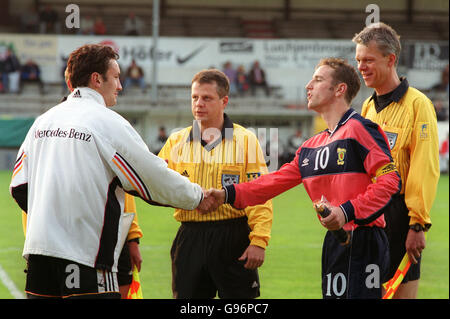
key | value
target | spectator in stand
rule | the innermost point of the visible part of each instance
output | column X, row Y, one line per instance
column 29, row 21
column 99, row 26
column 160, row 140
column 294, row 142
column 134, row 75
column 441, row 110
column 232, row 76
column 11, row 72
column 86, row 25
column 2, row 70
column 64, row 86
column 257, row 78
column 133, row 25
column 31, row 73
column 48, row 20
column 274, row 152
column 241, row 80
column 439, row 94
column 443, row 85
column 443, row 154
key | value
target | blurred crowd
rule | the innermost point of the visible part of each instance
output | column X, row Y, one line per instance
column 45, row 20
column 439, row 94
column 242, row 82
column 13, row 74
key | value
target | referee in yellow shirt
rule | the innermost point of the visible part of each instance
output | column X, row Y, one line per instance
column 219, row 252
column 409, row 120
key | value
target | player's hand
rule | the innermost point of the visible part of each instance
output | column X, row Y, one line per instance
column 254, row 256
column 208, row 204
column 135, row 255
column 335, row 220
column 415, row 243
column 218, row 194
column 216, row 197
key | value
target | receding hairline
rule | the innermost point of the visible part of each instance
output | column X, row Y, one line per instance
column 382, row 34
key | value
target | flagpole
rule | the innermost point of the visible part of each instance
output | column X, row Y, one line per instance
column 155, row 24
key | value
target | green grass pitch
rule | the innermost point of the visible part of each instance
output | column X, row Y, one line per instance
column 292, row 266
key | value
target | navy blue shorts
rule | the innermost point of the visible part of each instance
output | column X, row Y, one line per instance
column 357, row 270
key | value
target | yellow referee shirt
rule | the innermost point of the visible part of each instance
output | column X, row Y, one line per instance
column 235, row 158
column 410, row 124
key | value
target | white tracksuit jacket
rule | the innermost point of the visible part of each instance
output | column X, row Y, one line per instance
column 71, row 172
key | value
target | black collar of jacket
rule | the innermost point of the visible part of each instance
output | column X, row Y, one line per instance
column 384, row 100
column 226, row 132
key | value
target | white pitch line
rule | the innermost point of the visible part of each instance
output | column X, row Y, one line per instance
column 6, row 280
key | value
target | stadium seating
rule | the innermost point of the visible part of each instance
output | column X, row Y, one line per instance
column 226, row 19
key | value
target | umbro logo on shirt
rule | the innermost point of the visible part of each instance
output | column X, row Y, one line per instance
column 185, row 173
column 305, row 162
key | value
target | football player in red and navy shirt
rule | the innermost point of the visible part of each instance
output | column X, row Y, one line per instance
column 350, row 164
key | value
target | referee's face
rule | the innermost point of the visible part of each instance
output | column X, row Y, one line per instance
column 375, row 67
column 207, row 106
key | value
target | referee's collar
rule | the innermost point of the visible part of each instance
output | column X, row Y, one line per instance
column 226, row 132
column 381, row 101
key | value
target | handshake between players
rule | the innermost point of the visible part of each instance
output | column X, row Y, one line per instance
column 213, row 198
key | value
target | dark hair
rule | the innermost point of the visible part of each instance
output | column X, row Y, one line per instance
column 343, row 73
column 211, row 76
column 88, row 59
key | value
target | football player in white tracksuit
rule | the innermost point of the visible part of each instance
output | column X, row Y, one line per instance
column 72, row 171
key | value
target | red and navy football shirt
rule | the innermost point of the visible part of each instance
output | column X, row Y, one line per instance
column 351, row 166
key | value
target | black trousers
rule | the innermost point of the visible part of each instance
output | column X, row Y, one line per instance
column 50, row 277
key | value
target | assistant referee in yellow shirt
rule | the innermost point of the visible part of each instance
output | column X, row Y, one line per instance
column 408, row 118
column 217, row 252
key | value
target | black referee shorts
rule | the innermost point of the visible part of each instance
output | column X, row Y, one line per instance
column 205, row 261
column 50, row 277
column 397, row 228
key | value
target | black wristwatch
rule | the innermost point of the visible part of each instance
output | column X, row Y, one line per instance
column 136, row 240
column 417, row 227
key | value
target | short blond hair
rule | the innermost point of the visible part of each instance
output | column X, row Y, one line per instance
column 387, row 40
column 214, row 76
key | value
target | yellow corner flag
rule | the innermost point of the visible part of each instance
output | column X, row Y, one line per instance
column 135, row 291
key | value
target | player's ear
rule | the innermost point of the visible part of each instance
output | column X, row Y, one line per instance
column 96, row 79
column 341, row 88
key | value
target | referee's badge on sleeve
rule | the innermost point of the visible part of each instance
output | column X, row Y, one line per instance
column 424, row 131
